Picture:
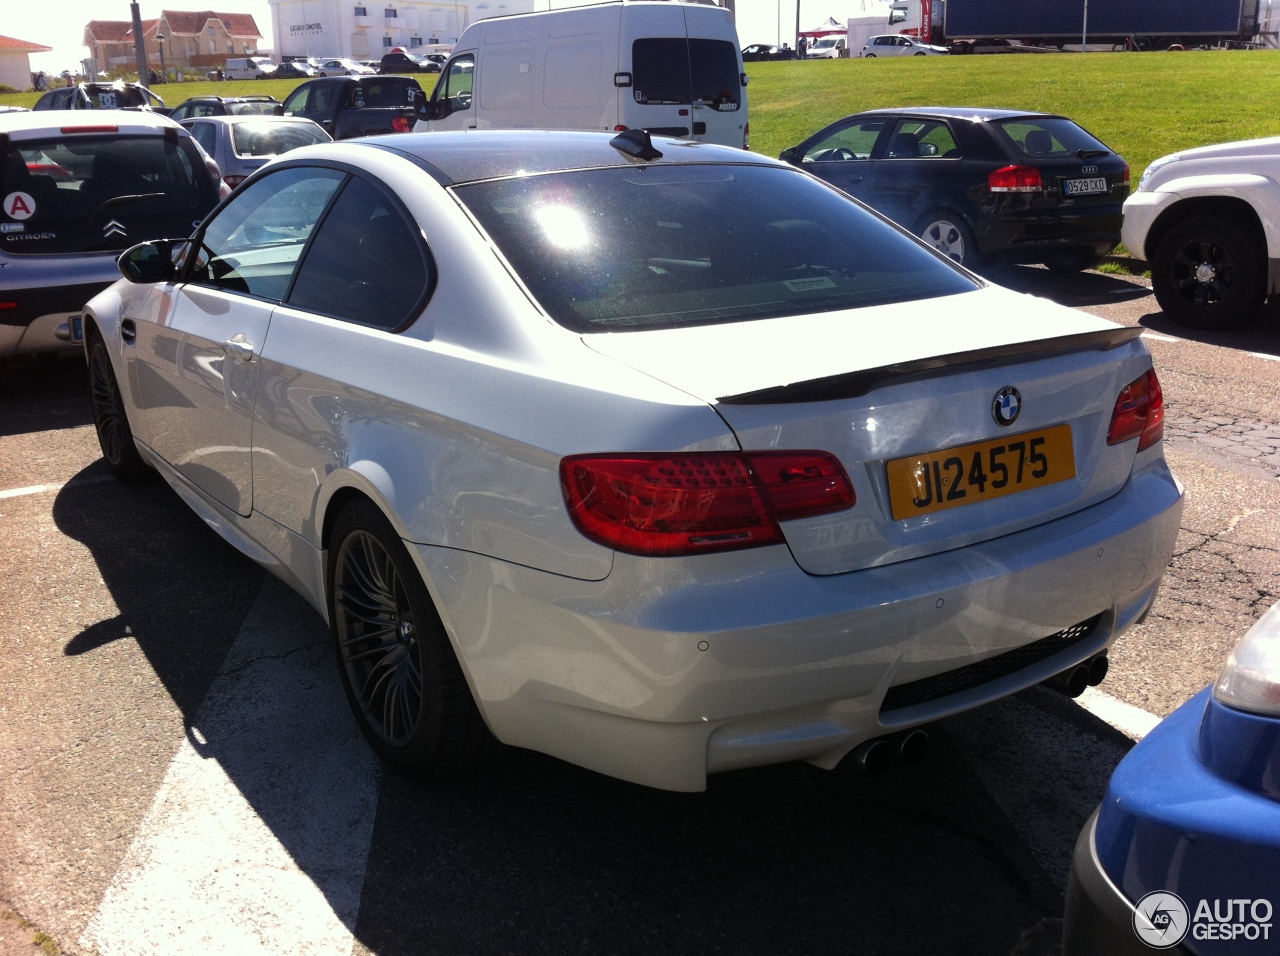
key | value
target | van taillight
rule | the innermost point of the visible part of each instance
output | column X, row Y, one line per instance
column 400, row 124
column 1138, row 412
column 746, row 135
column 695, row 503
column 1015, row 179
column 620, row 128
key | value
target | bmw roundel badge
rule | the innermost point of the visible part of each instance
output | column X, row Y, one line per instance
column 1006, row 405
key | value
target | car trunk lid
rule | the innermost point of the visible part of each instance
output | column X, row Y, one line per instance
column 891, row 411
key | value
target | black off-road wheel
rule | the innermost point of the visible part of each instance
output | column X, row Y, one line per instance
column 110, row 421
column 1209, row 273
column 398, row 667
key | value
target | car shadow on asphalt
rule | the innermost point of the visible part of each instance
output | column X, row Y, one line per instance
column 43, row 392
column 179, row 589
column 1260, row 333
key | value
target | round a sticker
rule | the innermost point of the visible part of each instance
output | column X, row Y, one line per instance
column 19, row 206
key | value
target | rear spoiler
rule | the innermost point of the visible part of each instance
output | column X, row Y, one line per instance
column 854, row 384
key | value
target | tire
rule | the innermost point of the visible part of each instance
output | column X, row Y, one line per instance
column 110, row 421
column 918, row 54
column 947, row 233
column 1208, row 273
column 868, row 56
column 401, row 676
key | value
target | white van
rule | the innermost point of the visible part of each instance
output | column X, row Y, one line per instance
column 249, row 67
column 674, row 69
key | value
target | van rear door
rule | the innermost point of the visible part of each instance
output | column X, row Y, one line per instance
column 684, row 70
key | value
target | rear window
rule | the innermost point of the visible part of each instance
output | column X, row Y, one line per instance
column 1052, row 137
column 674, row 70
column 665, row 246
column 383, row 94
column 96, row 193
column 271, row 139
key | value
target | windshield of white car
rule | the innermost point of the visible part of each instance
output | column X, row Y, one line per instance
column 670, row 245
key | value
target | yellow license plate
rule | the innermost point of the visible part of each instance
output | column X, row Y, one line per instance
column 938, row 480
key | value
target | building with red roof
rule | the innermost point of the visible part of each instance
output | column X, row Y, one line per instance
column 15, row 63
column 192, row 40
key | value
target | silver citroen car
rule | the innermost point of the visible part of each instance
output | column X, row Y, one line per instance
column 659, row 457
column 76, row 189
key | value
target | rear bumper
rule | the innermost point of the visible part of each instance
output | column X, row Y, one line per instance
column 670, row 669
column 1030, row 237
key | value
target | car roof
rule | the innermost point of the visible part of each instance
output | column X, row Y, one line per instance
column 50, row 121
column 468, row 156
column 246, row 118
column 975, row 113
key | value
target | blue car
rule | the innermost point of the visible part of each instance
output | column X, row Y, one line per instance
column 1183, row 855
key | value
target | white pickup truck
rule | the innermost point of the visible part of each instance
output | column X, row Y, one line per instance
column 1207, row 220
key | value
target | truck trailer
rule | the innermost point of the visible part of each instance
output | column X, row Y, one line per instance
column 1136, row 24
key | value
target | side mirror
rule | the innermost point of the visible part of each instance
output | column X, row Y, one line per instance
column 277, row 110
column 788, row 155
column 148, row 262
column 429, row 109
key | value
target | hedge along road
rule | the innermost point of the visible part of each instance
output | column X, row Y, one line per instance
column 178, row 772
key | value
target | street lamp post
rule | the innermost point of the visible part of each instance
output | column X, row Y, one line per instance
column 160, row 38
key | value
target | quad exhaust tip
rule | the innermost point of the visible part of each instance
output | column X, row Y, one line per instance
column 1075, row 680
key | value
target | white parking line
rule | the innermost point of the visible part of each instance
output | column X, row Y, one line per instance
column 1264, row 355
column 49, row 489
column 1157, row 337
column 257, row 840
column 1126, row 718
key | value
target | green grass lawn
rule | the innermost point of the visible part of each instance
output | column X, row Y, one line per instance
column 1142, row 105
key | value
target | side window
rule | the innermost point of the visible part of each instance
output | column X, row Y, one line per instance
column 852, row 142
column 922, row 139
column 367, row 263
column 296, row 102
column 321, row 98
column 457, row 83
column 254, row 243
column 205, row 135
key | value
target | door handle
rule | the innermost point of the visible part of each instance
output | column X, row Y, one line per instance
column 128, row 330
column 238, row 349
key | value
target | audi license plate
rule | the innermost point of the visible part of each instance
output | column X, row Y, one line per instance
column 921, row 484
column 1084, row 187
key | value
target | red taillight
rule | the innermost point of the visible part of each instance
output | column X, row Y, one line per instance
column 1015, row 179
column 620, row 129
column 401, row 124
column 91, row 129
column 1139, row 412
column 1126, row 174
column 665, row 504
column 234, row 181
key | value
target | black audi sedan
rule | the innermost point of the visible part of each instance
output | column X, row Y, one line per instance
column 979, row 184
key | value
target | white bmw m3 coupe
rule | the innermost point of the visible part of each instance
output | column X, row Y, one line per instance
column 659, row 457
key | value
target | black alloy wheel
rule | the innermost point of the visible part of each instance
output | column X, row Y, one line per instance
column 110, row 422
column 398, row 668
column 1208, row 273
